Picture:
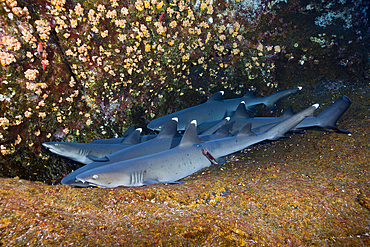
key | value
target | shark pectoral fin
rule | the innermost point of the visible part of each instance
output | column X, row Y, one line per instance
column 149, row 182
column 95, row 159
column 171, row 182
column 221, row 160
column 344, row 131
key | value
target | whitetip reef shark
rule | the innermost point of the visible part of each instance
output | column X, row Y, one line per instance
column 168, row 138
column 80, row 151
column 143, row 138
column 191, row 155
column 215, row 108
column 327, row 119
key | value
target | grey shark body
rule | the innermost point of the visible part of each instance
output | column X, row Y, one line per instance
column 167, row 139
column 215, row 108
column 190, row 156
column 80, row 151
column 130, row 130
column 326, row 119
column 115, row 140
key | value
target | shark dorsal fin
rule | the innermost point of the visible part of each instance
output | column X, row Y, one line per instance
column 241, row 112
column 133, row 138
column 190, row 136
column 223, row 131
column 129, row 131
column 216, row 96
column 288, row 112
column 249, row 95
column 246, row 130
column 169, row 129
column 216, row 127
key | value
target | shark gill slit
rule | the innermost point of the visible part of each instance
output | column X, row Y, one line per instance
column 137, row 177
column 83, row 152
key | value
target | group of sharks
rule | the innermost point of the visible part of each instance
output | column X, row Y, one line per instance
column 213, row 130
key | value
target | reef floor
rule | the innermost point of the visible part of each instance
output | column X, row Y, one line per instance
column 310, row 189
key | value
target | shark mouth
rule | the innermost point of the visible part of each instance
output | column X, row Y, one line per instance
column 209, row 156
column 84, row 182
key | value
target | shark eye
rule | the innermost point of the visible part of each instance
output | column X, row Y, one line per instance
column 95, row 176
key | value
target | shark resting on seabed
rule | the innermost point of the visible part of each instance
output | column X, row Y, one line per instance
column 215, row 108
column 191, row 155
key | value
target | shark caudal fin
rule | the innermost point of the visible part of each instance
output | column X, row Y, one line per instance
column 169, row 129
column 271, row 100
column 190, row 136
column 280, row 129
column 329, row 116
column 133, row 137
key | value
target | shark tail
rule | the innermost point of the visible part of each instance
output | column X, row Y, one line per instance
column 283, row 127
column 271, row 100
column 329, row 116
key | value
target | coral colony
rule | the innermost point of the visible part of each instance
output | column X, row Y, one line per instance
column 107, row 57
column 80, row 70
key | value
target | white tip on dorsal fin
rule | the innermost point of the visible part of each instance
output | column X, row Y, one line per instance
column 249, row 95
column 175, row 119
column 316, row 105
column 227, row 118
column 241, row 112
column 190, row 136
column 216, row 96
column 133, row 138
column 300, row 88
column 129, row 131
column 169, row 129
